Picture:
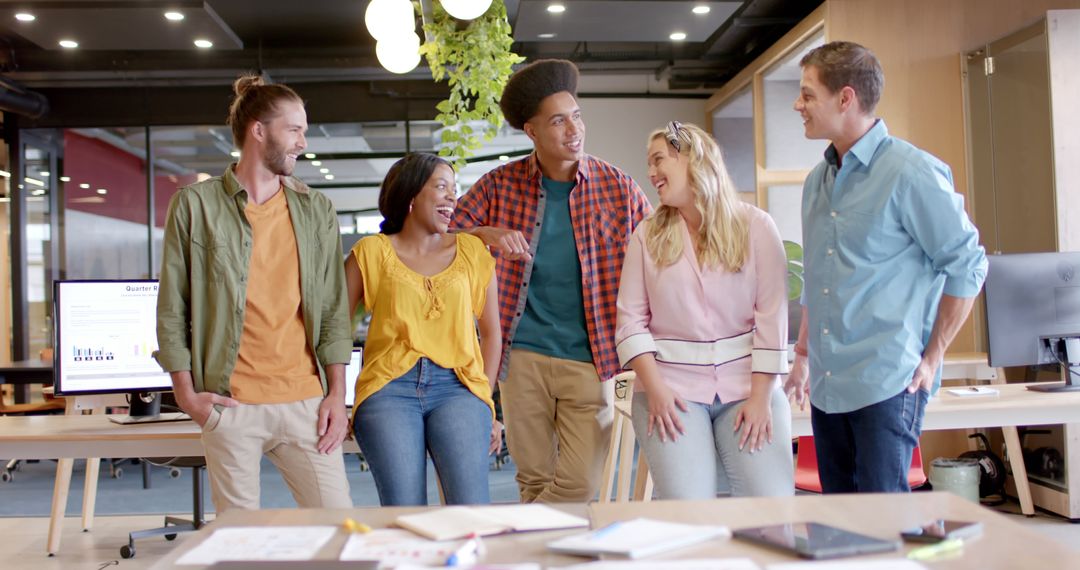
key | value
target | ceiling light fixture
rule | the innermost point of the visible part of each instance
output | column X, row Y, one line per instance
column 386, row 19
column 174, row 16
column 316, row 163
column 504, row 157
column 25, row 17
column 466, row 9
column 34, row 181
column 69, row 44
column 324, row 171
column 678, row 36
column 701, row 10
column 309, row 155
column 37, row 192
column 556, row 8
column 400, row 54
column 84, row 186
column 235, row 154
column 329, row 177
column 546, row 36
column 203, row 44
column 102, row 191
column 65, row 179
column 5, row 174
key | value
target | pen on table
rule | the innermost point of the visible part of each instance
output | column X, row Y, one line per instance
column 351, row 525
column 466, row 555
column 935, row 550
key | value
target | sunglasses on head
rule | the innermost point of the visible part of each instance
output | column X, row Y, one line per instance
column 674, row 129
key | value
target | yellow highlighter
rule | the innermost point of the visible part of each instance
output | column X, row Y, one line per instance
column 353, row 526
column 934, row 551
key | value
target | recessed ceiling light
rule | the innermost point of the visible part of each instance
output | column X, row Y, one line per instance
column 84, row 186
column 102, row 191
column 556, row 8
column 547, row 36
column 5, row 174
column 37, row 192
column 309, row 155
column 45, row 173
column 324, row 170
column 504, row 157
column 678, row 36
column 25, row 17
column 204, row 44
column 174, row 16
column 701, row 10
column 69, row 44
column 65, row 179
column 235, row 154
column 316, row 163
column 34, row 181
column 329, row 177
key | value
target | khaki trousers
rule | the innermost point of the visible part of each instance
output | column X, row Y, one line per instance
column 558, row 426
column 235, row 439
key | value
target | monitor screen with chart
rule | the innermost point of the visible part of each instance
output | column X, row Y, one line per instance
column 106, row 334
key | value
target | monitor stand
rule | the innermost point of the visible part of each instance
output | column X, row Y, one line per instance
column 1071, row 382
column 145, row 408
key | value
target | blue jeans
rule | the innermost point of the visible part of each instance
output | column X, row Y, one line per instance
column 426, row 410
column 706, row 458
column 869, row 450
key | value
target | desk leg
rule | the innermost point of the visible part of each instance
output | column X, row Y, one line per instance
column 59, row 504
column 21, row 393
column 1019, row 470
column 93, row 466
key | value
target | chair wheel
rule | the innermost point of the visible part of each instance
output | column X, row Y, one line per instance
column 170, row 537
column 174, row 473
column 127, row 551
column 118, row 473
column 7, row 476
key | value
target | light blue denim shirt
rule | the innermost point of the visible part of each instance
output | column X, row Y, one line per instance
column 884, row 236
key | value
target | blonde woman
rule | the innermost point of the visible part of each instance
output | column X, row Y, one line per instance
column 702, row 321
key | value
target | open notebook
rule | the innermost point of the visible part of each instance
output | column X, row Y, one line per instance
column 451, row 523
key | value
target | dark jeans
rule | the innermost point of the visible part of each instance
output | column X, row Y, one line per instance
column 869, row 450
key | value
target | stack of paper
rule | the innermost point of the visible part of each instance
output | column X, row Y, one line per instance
column 451, row 523
column 259, row 543
column 637, row 538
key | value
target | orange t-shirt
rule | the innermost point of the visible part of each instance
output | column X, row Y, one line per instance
column 275, row 363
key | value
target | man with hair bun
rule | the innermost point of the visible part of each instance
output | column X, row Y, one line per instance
column 558, row 220
column 893, row 265
column 253, row 320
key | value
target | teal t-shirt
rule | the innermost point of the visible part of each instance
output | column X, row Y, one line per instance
column 554, row 319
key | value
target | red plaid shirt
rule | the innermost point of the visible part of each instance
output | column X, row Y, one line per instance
column 605, row 207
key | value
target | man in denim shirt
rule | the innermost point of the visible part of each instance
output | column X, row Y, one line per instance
column 253, row 322
column 893, row 265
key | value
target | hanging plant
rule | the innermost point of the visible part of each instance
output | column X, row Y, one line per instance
column 476, row 61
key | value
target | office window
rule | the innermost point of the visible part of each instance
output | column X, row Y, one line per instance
column 104, row 204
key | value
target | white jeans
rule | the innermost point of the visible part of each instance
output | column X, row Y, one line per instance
column 696, row 465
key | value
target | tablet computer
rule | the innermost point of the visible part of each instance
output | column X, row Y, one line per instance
column 815, row 540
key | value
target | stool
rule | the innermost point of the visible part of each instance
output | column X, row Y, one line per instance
column 620, row 458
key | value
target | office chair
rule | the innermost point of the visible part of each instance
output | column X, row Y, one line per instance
column 806, row 467
column 175, row 525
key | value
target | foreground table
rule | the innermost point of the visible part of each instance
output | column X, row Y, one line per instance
column 1004, row 544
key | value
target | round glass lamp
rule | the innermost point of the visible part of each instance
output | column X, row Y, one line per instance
column 388, row 18
column 466, row 9
column 399, row 54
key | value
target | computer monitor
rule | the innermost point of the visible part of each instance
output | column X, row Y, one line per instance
column 351, row 372
column 1033, row 313
column 106, row 333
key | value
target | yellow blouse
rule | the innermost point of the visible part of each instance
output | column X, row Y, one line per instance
column 414, row 316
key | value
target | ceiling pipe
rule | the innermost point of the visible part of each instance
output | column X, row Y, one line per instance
column 17, row 99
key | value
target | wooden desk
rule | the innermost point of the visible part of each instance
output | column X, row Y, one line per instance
column 1004, row 544
column 1013, row 406
column 23, row 373
column 69, row 437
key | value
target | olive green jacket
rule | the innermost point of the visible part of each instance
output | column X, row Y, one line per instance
column 204, row 266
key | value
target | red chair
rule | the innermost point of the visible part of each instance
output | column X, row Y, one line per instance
column 806, row 468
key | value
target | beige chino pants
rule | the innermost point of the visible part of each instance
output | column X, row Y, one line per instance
column 235, row 439
column 558, row 426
